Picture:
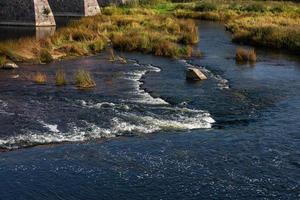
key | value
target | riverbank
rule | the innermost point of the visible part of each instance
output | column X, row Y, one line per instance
column 135, row 29
column 271, row 24
column 162, row 29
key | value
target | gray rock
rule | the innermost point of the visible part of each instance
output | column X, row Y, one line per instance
column 195, row 74
column 9, row 65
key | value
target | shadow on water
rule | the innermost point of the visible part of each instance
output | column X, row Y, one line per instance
column 16, row 32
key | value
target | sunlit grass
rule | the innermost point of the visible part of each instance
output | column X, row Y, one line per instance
column 126, row 29
column 273, row 24
column 40, row 78
column 83, row 79
column 245, row 55
column 60, row 78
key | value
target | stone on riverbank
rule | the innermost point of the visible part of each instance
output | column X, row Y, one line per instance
column 195, row 74
column 9, row 65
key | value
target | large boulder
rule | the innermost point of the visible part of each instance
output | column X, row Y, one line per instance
column 195, row 74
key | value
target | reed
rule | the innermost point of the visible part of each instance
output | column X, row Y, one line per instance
column 60, row 78
column 40, row 78
column 127, row 28
column 45, row 56
column 83, row 79
column 245, row 55
column 2, row 60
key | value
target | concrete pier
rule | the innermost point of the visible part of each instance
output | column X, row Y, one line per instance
column 42, row 12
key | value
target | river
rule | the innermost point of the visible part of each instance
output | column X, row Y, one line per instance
column 147, row 133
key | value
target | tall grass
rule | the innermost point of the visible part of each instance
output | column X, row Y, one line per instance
column 126, row 28
column 40, row 78
column 245, row 55
column 273, row 24
column 60, row 78
column 276, row 32
column 2, row 60
column 83, row 79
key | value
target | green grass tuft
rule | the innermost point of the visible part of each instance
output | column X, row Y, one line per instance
column 60, row 78
column 83, row 79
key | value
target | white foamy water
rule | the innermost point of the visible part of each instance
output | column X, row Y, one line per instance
column 51, row 127
column 97, row 105
column 139, row 114
column 123, row 123
column 141, row 95
column 222, row 82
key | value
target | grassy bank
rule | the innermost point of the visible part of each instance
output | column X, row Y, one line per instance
column 126, row 29
column 163, row 28
column 273, row 24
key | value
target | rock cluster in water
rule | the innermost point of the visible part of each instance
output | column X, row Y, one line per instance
column 195, row 74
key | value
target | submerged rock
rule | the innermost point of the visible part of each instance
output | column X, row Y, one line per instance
column 9, row 65
column 195, row 74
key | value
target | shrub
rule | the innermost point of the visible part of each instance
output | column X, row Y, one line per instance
column 277, row 9
column 187, row 51
column 73, row 49
column 40, row 78
column 166, row 49
column 45, row 56
column 205, row 7
column 255, row 7
column 60, row 78
column 83, row 79
column 245, row 55
column 96, row 46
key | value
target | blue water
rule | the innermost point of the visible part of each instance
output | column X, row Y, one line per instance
column 147, row 133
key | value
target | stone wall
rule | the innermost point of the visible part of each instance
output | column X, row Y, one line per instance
column 26, row 12
column 17, row 11
column 74, row 7
column 67, row 7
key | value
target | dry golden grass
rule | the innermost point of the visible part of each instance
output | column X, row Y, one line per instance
column 2, row 60
column 60, row 78
column 273, row 24
column 130, row 29
column 245, row 55
column 83, row 79
column 282, row 32
column 40, row 78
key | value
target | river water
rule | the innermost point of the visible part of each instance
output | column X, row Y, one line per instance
column 147, row 133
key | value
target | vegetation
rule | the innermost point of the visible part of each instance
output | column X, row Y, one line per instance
column 126, row 29
column 45, row 56
column 2, row 60
column 60, row 78
column 40, row 78
column 273, row 24
column 84, row 80
column 277, row 32
column 163, row 28
column 245, row 55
